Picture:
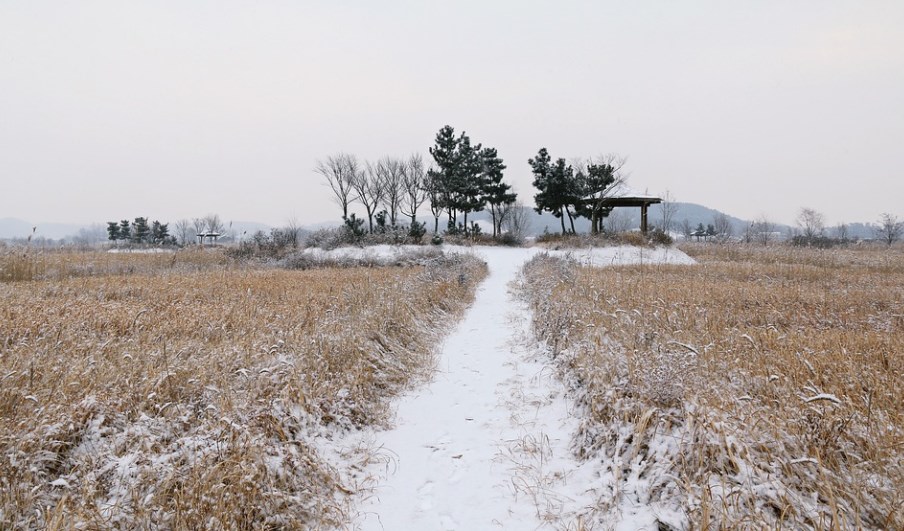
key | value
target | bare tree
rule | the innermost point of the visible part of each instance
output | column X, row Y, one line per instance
column 391, row 173
column 200, row 227
column 213, row 223
column 842, row 232
column 617, row 221
column 369, row 187
column 811, row 223
column 668, row 210
column 763, row 230
column 515, row 219
column 686, row 229
column 723, row 227
column 890, row 228
column 414, row 186
column 292, row 231
column 598, row 195
column 434, row 192
column 340, row 171
column 183, row 231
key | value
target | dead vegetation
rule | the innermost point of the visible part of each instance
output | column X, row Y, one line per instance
column 177, row 391
column 758, row 389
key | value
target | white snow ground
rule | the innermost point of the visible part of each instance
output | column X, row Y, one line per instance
column 486, row 445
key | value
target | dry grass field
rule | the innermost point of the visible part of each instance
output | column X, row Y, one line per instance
column 179, row 391
column 760, row 389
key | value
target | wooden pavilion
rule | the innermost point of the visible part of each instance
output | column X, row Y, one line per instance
column 622, row 197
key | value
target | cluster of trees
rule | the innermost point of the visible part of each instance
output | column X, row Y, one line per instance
column 185, row 231
column 139, row 231
column 811, row 229
column 464, row 178
column 575, row 190
column 388, row 189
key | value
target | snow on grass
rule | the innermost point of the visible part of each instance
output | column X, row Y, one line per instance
column 759, row 390
column 489, row 442
column 166, row 399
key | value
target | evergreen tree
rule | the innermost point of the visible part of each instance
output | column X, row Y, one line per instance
column 496, row 193
column 469, row 179
column 159, row 232
column 595, row 181
column 555, row 184
column 125, row 230
column 456, row 179
column 140, row 230
column 445, row 155
column 112, row 231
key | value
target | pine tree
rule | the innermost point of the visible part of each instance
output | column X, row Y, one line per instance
column 140, row 230
column 554, row 183
column 444, row 154
column 112, row 231
column 159, row 232
column 469, row 177
column 456, row 178
column 125, row 230
column 594, row 183
column 495, row 192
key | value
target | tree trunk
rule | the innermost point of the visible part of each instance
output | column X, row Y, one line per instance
column 562, row 219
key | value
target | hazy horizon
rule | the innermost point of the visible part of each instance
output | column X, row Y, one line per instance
column 112, row 110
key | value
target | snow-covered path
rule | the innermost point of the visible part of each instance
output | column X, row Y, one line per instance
column 464, row 447
column 485, row 445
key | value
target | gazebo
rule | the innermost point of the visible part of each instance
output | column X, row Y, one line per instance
column 210, row 236
column 622, row 197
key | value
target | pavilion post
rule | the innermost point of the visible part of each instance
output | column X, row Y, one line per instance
column 643, row 219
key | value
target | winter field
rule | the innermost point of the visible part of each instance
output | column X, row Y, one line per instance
column 184, row 392
column 723, row 387
column 759, row 389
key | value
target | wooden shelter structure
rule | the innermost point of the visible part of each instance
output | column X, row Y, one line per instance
column 210, row 236
column 625, row 197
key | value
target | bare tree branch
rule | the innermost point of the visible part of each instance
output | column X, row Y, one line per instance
column 340, row 171
column 414, row 186
column 370, row 189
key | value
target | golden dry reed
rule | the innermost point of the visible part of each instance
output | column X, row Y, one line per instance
column 760, row 389
column 137, row 393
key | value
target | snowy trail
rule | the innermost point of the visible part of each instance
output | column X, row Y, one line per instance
column 460, row 443
column 486, row 444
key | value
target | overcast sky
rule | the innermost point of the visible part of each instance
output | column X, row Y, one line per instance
column 176, row 109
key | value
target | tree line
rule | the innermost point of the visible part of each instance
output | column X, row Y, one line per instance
column 578, row 189
column 185, row 231
column 464, row 178
column 139, row 231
